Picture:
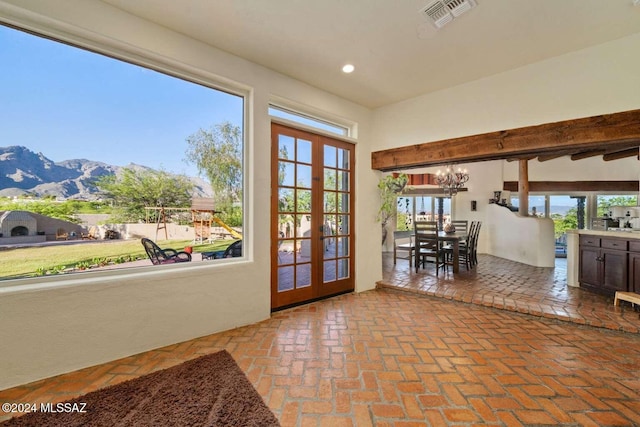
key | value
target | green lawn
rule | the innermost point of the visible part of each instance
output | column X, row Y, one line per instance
column 36, row 261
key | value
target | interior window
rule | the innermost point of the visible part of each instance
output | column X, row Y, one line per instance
column 420, row 208
column 621, row 209
column 99, row 153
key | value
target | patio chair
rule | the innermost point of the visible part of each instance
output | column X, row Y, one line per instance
column 163, row 256
column 233, row 250
column 61, row 234
column 91, row 235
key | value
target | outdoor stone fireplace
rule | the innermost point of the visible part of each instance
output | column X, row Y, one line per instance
column 20, row 230
column 19, row 227
column 17, row 223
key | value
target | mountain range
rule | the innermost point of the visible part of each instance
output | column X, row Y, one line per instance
column 23, row 172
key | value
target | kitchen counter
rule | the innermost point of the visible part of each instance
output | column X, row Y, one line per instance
column 627, row 234
column 573, row 248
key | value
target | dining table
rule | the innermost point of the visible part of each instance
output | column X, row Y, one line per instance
column 454, row 238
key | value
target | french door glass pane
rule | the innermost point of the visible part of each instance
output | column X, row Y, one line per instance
column 304, row 151
column 285, row 198
column 343, row 224
column 285, row 278
column 343, row 159
column 343, row 181
column 304, row 176
column 329, row 271
column 343, row 203
column 303, row 275
column 303, row 225
column 329, row 247
column 330, row 179
column 286, row 171
column 286, row 250
column 329, row 227
column 330, row 156
column 286, row 147
column 343, row 247
column 343, row 268
column 330, row 204
column 304, row 200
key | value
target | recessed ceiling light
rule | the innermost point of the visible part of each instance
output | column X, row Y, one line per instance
column 348, row 68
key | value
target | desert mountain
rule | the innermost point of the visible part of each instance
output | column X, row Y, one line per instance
column 24, row 172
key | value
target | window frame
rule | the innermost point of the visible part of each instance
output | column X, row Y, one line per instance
column 89, row 41
column 308, row 121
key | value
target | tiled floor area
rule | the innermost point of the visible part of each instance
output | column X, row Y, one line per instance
column 393, row 358
column 513, row 286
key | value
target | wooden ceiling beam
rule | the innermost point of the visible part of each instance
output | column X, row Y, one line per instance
column 620, row 154
column 586, row 154
column 585, row 134
column 548, row 186
column 547, row 157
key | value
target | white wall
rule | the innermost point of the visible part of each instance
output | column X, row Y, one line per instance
column 51, row 327
column 508, row 234
column 591, row 169
column 598, row 80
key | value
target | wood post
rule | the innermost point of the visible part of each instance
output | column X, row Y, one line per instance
column 523, row 188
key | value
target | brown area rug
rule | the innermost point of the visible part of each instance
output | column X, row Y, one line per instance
column 208, row 391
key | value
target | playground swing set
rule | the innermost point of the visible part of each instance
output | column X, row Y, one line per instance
column 203, row 215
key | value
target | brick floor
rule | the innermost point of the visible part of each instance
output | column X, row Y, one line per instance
column 513, row 286
column 398, row 358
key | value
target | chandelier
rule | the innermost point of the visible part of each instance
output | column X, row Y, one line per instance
column 450, row 181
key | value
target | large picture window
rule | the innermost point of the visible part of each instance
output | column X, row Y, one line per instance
column 97, row 154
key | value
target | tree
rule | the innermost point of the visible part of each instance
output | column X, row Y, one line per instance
column 47, row 207
column 217, row 153
column 568, row 221
column 133, row 190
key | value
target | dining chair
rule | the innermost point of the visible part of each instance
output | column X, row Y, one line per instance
column 427, row 245
column 460, row 224
column 465, row 251
column 403, row 241
column 474, row 247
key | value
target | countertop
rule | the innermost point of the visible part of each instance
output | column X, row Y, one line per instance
column 631, row 234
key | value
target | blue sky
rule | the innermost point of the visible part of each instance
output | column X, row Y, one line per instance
column 69, row 103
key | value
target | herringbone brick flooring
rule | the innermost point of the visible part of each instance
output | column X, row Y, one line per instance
column 391, row 358
column 508, row 285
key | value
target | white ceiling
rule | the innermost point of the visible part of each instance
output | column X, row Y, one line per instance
column 397, row 53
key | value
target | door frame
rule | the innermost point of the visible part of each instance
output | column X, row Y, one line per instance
column 318, row 288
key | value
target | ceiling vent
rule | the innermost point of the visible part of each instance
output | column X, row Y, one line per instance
column 441, row 12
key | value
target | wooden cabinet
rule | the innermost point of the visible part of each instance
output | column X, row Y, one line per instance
column 614, row 270
column 634, row 272
column 604, row 264
column 590, row 268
